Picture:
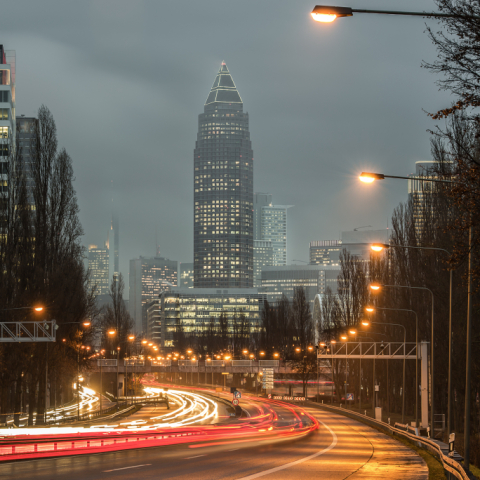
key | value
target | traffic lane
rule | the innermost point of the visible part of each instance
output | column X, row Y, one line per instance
column 224, row 460
column 361, row 452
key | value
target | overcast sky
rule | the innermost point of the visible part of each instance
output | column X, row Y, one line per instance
column 126, row 80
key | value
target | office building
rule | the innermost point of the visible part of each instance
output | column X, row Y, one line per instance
column 223, row 190
column 269, row 225
column 325, row 252
column 98, row 269
column 149, row 277
column 113, row 244
column 154, row 321
column 185, row 275
column 193, row 309
column 7, row 111
column 284, row 279
column 262, row 255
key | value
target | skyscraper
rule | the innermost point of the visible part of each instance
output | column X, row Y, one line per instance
column 270, row 225
column 99, row 269
column 223, row 190
column 7, row 108
column 149, row 277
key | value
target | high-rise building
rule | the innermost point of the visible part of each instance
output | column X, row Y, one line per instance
column 25, row 127
column 7, row 110
column 185, row 275
column 98, row 266
column 270, row 225
column 223, row 190
column 149, row 277
column 262, row 256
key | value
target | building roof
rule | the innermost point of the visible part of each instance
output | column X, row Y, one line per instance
column 223, row 89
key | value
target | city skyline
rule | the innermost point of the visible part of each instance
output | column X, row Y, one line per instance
column 302, row 157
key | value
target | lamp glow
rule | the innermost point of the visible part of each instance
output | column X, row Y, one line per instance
column 375, row 287
column 365, row 324
column 323, row 17
column 369, row 309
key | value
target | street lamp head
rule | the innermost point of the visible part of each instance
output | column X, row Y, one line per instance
column 275, row 355
column 369, row 309
column 375, row 287
column 326, row 14
column 322, row 344
column 262, row 353
column 245, row 352
column 38, row 309
column 131, row 337
column 87, row 323
column 310, row 348
column 365, row 323
column 333, row 341
column 189, row 351
column 353, row 332
column 112, row 332
column 144, row 342
column 297, row 349
column 344, row 337
column 367, row 177
column 378, row 247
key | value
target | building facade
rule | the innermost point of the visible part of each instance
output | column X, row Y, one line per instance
column 223, row 190
column 7, row 112
column 193, row 309
column 149, row 277
column 154, row 321
column 278, row 281
column 185, row 275
column 325, row 252
column 99, row 271
column 262, row 255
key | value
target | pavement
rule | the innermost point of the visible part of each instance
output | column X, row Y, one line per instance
column 341, row 448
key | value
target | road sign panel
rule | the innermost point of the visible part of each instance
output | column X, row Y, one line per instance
column 235, row 401
column 238, row 394
column 350, row 396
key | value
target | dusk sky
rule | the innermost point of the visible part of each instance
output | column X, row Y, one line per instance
column 126, row 80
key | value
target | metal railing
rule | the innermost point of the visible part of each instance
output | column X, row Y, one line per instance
column 44, row 331
column 161, row 363
column 107, row 362
column 188, row 363
column 242, row 363
column 268, row 363
column 215, row 363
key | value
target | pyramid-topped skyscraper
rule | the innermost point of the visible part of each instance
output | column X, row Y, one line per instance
column 223, row 190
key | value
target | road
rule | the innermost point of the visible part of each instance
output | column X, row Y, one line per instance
column 341, row 448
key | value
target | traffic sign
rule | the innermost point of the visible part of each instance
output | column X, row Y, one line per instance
column 238, row 394
column 350, row 396
column 235, row 401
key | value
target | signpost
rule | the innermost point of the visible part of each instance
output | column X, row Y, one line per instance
column 267, row 379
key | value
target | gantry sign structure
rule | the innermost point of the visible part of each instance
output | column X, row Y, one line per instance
column 382, row 351
column 28, row 332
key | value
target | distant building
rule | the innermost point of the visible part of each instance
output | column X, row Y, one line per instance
column 269, row 225
column 325, row 252
column 26, row 136
column 193, row 309
column 262, row 255
column 223, row 190
column 154, row 321
column 185, row 275
column 149, row 277
column 7, row 109
column 98, row 266
column 283, row 280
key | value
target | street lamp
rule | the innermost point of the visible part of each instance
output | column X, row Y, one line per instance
column 378, row 247
column 327, row 14
column 432, row 346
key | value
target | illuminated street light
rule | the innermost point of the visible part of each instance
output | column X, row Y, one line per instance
column 87, row 323
column 353, row 332
column 297, row 349
column 375, row 287
column 369, row 309
column 365, row 323
column 367, row 177
column 112, row 332
column 327, row 14
column 189, row 351
column 275, row 355
column 344, row 337
column 262, row 353
column 378, row 247
column 38, row 309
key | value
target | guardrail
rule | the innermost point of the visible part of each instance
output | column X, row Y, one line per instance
column 215, row 363
column 188, row 363
column 268, row 363
column 449, row 464
column 242, row 363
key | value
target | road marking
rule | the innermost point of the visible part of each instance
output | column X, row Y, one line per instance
column 233, row 449
column 125, row 468
column 291, row 464
column 196, row 456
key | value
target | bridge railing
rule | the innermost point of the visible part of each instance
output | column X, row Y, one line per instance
column 215, row 363
column 188, row 363
column 268, row 363
column 161, row 363
column 242, row 363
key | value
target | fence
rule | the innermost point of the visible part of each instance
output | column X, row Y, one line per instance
column 242, row 363
column 268, row 363
column 188, row 363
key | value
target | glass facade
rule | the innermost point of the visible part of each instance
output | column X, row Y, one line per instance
column 325, row 252
column 223, row 190
column 193, row 309
column 262, row 255
column 98, row 260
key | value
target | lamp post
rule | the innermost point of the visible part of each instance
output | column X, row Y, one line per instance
column 376, row 288
column 372, row 309
column 378, row 247
column 327, row 14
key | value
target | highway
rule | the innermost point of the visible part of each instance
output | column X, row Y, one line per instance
column 340, row 448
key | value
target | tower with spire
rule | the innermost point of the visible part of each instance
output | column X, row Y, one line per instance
column 223, row 190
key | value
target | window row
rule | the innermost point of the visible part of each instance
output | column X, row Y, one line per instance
column 4, row 96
